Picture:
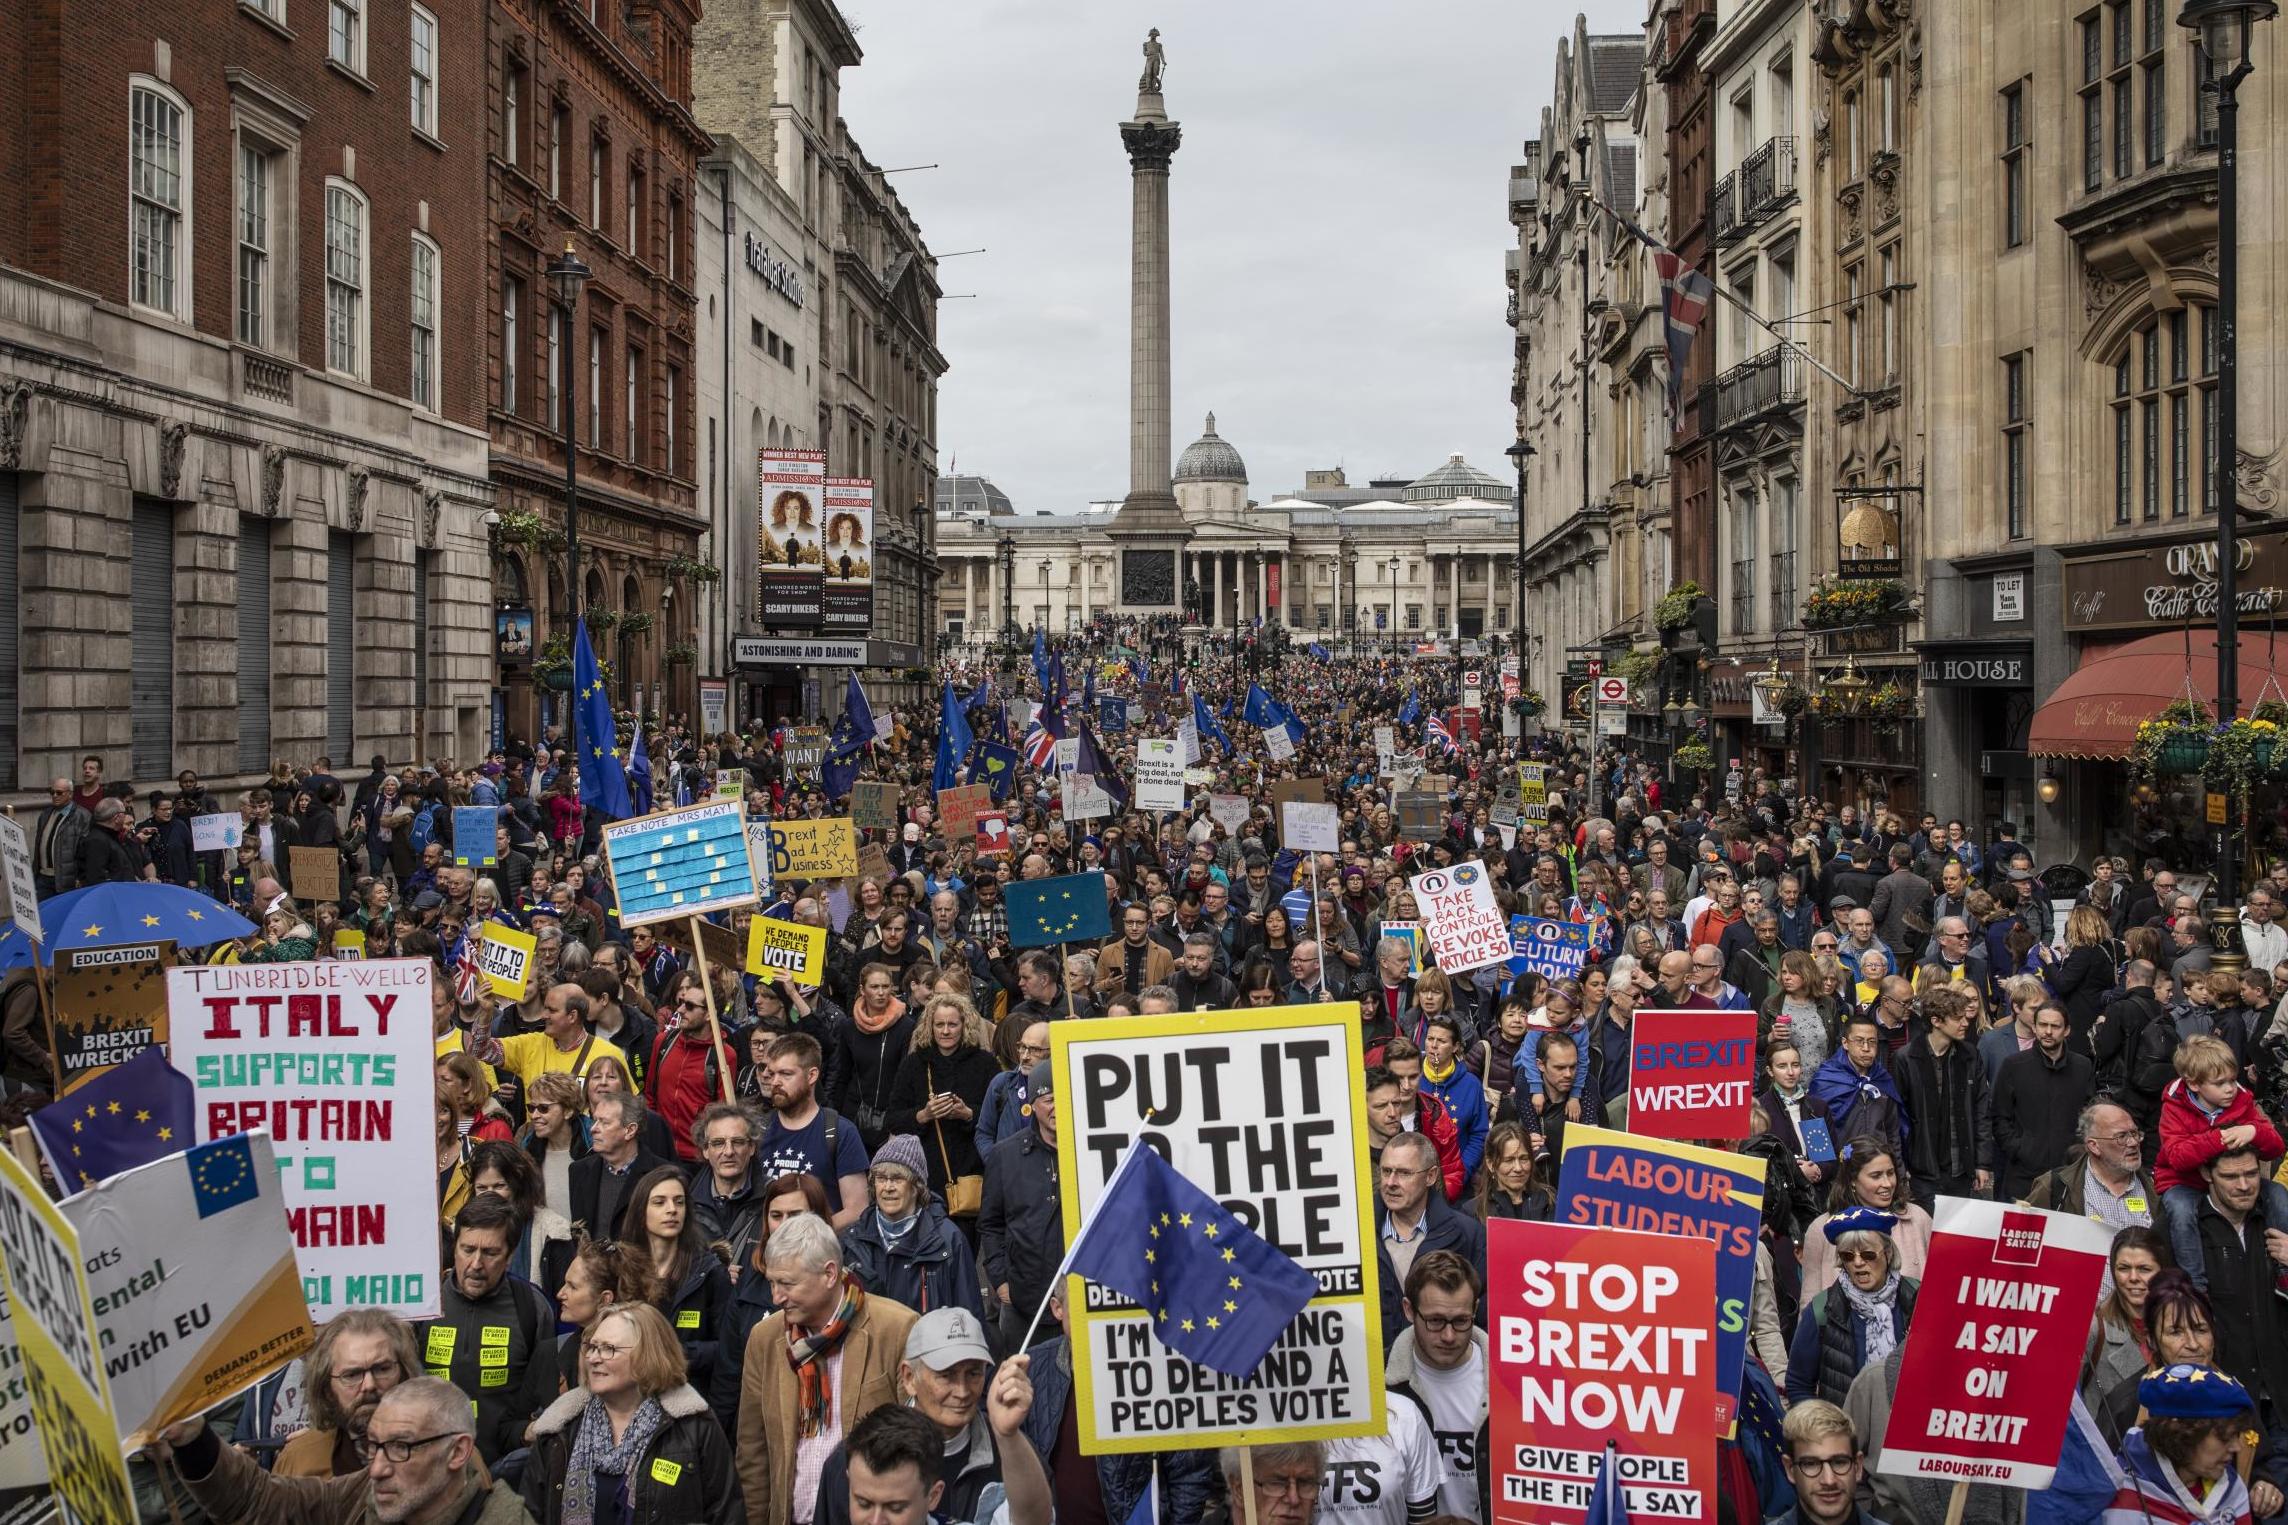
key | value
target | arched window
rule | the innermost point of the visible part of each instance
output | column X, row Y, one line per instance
column 158, row 198
column 348, row 315
column 2163, row 417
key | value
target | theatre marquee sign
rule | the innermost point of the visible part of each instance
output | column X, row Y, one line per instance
column 2172, row 584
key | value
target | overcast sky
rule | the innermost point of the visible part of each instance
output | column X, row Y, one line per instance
column 1338, row 215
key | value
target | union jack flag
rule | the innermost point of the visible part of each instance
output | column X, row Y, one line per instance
column 1435, row 732
column 468, row 978
column 1040, row 746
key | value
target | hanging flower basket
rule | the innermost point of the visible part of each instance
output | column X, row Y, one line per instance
column 1695, row 756
column 2239, row 754
column 1674, row 611
column 1837, row 604
column 2174, row 743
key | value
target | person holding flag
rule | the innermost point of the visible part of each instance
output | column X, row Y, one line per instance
column 851, row 738
column 954, row 739
column 1205, row 722
column 595, row 736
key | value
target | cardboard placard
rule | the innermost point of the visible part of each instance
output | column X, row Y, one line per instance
column 19, row 889
column 1309, row 827
column 788, row 950
column 476, row 836
column 218, row 833
column 1159, row 773
column 1465, row 925
column 1277, row 744
column 316, row 874
column 1421, row 816
column 959, row 807
column 720, row 942
column 874, row 806
column 349, row 943
column 1313, row 790
column 1230, row 811
column 110, row 1005
column 802, row 849
column 874, row 863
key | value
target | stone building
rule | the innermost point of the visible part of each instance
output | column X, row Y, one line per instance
column 242, row 416
column 594, row 149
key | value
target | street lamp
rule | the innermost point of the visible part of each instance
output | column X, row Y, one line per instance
column 566, row 275
column 1044, row 594
column 2224, row 29
column 1005, row 549
column 1519, row 454
column 1394, row 606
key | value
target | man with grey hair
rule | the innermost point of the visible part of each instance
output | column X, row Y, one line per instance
column 1195, row 982
column 360, row 1357
column 2189, row 951
column 1955, row 955
column 602, row 1182
column 1287, row 1478
column 2107, row 1178
column 424, row 1471
column 111, row 853
column 56, row 838
column 1394, row 982
column 2260, row 930
column 1156, row 1001
column 1412, row 1219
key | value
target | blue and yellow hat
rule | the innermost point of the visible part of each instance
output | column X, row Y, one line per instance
column 1857, row 1220
column 2187, row 1391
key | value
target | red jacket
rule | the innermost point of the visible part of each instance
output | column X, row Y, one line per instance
column 2189, row 1140
column 1435, row 1123
column 679, row 1086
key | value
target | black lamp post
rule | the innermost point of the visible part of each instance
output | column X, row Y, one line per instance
column 1044, row 595
column 1519, row 454
column 1005, row 548
column 566, row 275
column 1394, row 606
column 2225, row 31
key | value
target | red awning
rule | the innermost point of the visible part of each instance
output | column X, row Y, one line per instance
column 2096, row 712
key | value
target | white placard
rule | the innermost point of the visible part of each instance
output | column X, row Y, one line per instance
column 1230, row 811
column 217, row 833
column 1083, row 800
column 1068, row 755
column 16, row 881
column 1465, row 925
column 1277, row 743
column 337, row 1060
column 1159, row 773
column 1310, row 827
column 1385, row 749
column 1188, row 733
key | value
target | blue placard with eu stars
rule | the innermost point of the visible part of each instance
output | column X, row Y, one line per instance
column 680, row 862
column 1068, row 909
column 222, row 1174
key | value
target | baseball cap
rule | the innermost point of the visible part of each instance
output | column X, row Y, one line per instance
column 1041, row 1079
column 945, row 1337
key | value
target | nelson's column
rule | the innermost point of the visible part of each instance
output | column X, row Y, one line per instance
column 1149, row 529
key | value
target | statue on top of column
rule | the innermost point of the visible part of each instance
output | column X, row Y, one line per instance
column 1155, row 65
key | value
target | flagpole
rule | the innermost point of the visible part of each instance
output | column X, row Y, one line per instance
column 1318, row 926
column 1064, row 1266
column 723, row 1064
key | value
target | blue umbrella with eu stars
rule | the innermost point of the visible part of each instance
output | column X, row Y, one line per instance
column 106, row 915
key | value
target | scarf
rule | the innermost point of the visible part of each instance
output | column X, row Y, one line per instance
column 896, row 1230
column 1874, row 1310
column 808, row 1355
column 871, row 1024
column 593, row 1451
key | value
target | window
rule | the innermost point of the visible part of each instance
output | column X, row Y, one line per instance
column 2119, row 48
column 559, row 124
column 674, row 237
column 674, row 391
column 635, row 211
column 511, row 314
column 596, row 389
column 1745, row 550
column 1849, row 128
column 345, row 34
column 345, row 280
column 1854, row 342
column 159, row 168
column 423, row 38
column 1887, row 306
column 2155, row 75
column 2014, row 166
column 1784, row 530
column 512, row 116
column 633, row 439
column 2164, row 420
column 2092, row 104
column 1887, row 110
column 421, row 301
column 2204, row 100
column 596, row 162
column 2014, row 444
column 255, row 179
column 1414, row 616
column 558, row 419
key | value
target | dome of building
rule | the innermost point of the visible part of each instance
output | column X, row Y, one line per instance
column 1456, row 479
column 1210, row 458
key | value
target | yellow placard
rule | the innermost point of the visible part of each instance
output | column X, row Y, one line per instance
column 787, row 950
column 349, row 943
column 814, row 849
column 63, row 1365
column 505, row 957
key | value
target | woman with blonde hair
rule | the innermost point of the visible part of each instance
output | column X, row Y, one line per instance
column 460, row 1073
column 635, row 1441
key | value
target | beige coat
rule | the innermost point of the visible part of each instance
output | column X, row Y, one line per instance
column 1112, row 965
column 871, row 1352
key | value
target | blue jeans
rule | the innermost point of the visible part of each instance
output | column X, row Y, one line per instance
column 2181, row 1206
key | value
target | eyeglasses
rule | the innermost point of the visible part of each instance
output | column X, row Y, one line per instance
column 731, row 1143
column 601, row 1352
column 2126, row 1136
column 401, row 1451
column 1858, row 1257
column 1454, row 1324
column 380, row 1371
column 687, row 1004
column 1288, row 1487
column 1813, row 1466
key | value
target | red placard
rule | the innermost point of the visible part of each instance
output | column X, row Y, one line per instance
column 1986, row 1386
column 1601, row 1334
column 993, row 834
column 1692, row 1074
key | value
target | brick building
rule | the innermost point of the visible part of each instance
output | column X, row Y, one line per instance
column 594, row 147
column 242, row 447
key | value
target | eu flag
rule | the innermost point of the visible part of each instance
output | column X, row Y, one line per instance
column 953, row 739
column 1216, row 1292
column 1607, row 1506
column 1090, row 764
column 1206, row 724
column 639, row 774
column 1413, row 710
column 129, row 1115
column 1070, row 908
column 1041, row 658
column 222, row 1175
column 595, row 738
column 853, row 733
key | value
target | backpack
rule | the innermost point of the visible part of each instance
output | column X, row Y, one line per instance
column 424, row 828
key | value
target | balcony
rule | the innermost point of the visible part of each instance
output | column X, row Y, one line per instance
column 1770, row 383
column 1724, row 212
column 1767, row 182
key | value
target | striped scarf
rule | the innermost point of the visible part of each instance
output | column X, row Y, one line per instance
column 808, row 1353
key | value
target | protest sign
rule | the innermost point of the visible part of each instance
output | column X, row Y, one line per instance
column 1264, row 1111
column 504, row 957
column 1505, row 811
column 685, row 862
column 1385, row 749
column 1082, row 799
column 1188, row 734
column 338, row 1062
column 315, row 873
column 874, row 807
column 1311, row 828
column 1197, row 777
column 1410, row 933
column 1277, row 744
column 1068, row 754
column 1617, row 1180
column 349, row 943
column 1230, row 811
column 759, row 857
column 1285, row 789
column 1159, row 773
column 110, row 1005
column 874, row 863
column 805, row 748
column 1986, row 1386
column 1421, row 815
column 1466, row 927
column 1600, row 1334
column 1551, row 948
column 1533, row 794
column 722, row 945
column 727, row 783
column 55, row 1329
column 24, row 1496
column 958, row 807
column 216, row 833
column 787, row 950
column 1692, row 1074
column 476, row 836
column 193, row 1275
column 19, row 889
column 993, row 834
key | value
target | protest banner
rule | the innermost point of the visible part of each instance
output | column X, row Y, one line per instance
column 1230, row 811
column 1159, row 773
column 1385, row 749
column 874, row 863
column 1532, row 794
column 217, row 833
column 1421, row 815
column 1083, row 799
column 1600, row 1334
column 874, row 807
column 786, row 950
column 110, row 1005
column 19, row 889
column 476, row 836
column 1551, row 948
column 1986, row 1385
column 1264, row 1111
column 1692, row 1074
column 315, row 873
column 806, row 748
column 1277, row 744
column 720, row 943
column 1198, row 778
column 337, row 1061
column 1311, row 828
column 195, row 1286
column 1505, row 811
column 959, row 806
column 1282, row 790
column 993, row 840
column 504, row 957
column 24, row 1494
column 1654, row 1186
column 1067, row 754
column 55, row 1329
column 686, row 862
column 1465, row 925
column 727, row 783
